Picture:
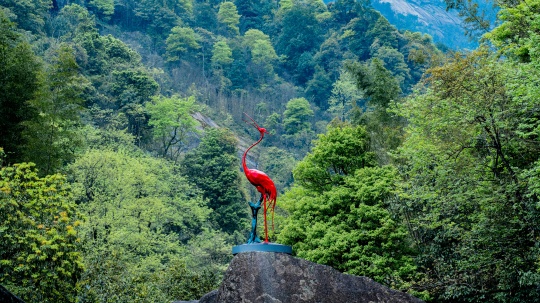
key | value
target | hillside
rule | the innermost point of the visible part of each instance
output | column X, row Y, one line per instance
column 430, row 17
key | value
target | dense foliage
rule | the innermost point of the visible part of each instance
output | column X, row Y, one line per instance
column 338, row 215
column 40, row 256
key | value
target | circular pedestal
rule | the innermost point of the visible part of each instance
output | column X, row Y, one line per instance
column 266, row 247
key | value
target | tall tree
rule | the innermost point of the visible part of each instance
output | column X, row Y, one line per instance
column 337, row 213
column 228, row 16
column 40, row 258
column 172, row 123
column 140, row 217
column 29, row 14
column 471, row 170
column 300, row 36
column 52, row 137
column 18, row 83
column 181, row 42
column 213, row 167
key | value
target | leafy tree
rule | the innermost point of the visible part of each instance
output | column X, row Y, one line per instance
column 476, row 15
column 228, row 15
column 19, row 81
column 345, row 97
column 318, row 89
column 470, row 174
column 394, row 61
column 278, row 164
column 335, row 155
column 133, row 88
column 213, row 167
column 300, row 35
column 172, row 122
column 40, row 259
column 29, row 14
column 356, row 35
column 383, row 33
column 263, row 55
column 519, row 33
column 343, row 11
column 181, row 41
column 158, row 17
column 205, row 15
column 377, row 82
column 104, row 8
column 253, row 14
column 297, row 116
column 139, row 215
column 52, row 138
column 337, row 215
column 221, row 54
column 330, row 55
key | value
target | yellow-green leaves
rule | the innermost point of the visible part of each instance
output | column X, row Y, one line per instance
column 228, row 15
column 39, row 250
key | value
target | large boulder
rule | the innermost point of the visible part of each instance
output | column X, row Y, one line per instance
column 7, row 297
column 262, row 277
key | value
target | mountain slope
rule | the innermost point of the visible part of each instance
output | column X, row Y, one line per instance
column 427, row 16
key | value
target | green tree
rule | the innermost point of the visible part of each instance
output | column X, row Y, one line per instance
column 380, row 88
column 345, row 97
column 221, row 54
column 378, row 84
column 213, row 167
column 337, row 213
column 470, row 170
column 29, row 14
column 297, row 116
column 172, row 123
column 519, row 33
column 228, row 15
column 263, row 55
column 132, row 88
column 394, row 61
column 299, row 37
column 181, row 42
column 52, row 137
column 140, row 216
column 104, row 8
column 278, row 164
column 18, row 83
column 297, row 121
column 40, row 259
column 318, row 89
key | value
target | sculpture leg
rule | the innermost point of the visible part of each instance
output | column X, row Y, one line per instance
column 253, row 238
column 265, row 224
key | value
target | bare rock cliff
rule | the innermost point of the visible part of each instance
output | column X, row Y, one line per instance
column 260, row 277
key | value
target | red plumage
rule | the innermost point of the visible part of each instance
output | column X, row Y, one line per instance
column 265, row 186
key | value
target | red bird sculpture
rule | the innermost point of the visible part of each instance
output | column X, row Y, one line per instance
column 261, row 181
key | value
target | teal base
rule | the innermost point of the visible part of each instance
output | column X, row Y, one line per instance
column 265, row 247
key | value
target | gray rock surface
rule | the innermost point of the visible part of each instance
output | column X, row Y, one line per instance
column 7, row 297
column 259, row 277
column 210, row 297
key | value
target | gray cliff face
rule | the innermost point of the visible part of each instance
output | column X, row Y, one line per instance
column 259, row 277
column 426, row 16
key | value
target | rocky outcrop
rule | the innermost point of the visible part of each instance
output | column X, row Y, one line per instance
column 7, row 297
column 259, row 277
column 426, row 16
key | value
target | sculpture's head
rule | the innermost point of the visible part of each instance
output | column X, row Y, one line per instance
column 262, row 130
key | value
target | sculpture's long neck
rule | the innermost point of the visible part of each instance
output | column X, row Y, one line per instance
column 244, row 166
